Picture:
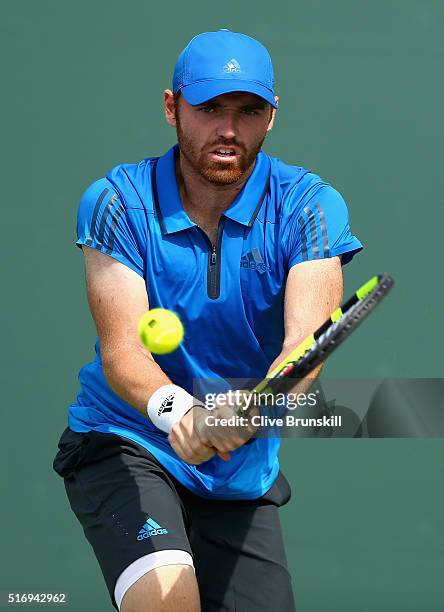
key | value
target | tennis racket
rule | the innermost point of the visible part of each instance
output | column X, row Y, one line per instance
column 317, row 347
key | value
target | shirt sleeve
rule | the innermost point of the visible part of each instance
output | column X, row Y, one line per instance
column 104, row 223
column 319, row 229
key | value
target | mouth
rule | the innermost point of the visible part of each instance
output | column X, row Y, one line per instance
column 224, row 153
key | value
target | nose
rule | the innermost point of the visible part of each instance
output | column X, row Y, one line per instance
column 226, row 127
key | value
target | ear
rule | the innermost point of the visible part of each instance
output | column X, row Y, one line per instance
column 273, row 115
column 169, row 107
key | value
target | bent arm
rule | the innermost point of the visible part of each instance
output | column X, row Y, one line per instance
column 117, row 299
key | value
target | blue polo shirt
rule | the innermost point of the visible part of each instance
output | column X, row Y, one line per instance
column 229, row 296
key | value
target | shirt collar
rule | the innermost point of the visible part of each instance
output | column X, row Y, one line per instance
column 172, row 216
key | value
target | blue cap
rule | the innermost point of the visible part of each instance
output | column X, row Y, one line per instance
column 215, row 63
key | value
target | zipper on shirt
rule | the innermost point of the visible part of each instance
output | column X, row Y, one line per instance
column 214, row 264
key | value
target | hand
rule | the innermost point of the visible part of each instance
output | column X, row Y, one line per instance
column 196, row 438
column 214, row 431
column 186, row 442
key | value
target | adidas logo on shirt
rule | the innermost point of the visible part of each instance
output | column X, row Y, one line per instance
column 253, row 260
column 150, row 528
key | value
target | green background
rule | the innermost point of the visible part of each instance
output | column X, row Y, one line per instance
column 361, row 104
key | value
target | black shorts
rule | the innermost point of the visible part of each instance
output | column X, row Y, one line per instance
column 114, row 485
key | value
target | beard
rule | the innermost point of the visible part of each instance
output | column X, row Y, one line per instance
column 213, row 171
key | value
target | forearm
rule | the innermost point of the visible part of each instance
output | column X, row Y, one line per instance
column 302, row 385
column 133, row 375
column 314, row 290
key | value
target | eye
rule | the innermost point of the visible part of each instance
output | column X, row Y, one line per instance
column 206, row 109
column 250, row 111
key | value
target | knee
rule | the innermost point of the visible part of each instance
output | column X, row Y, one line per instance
column 164, row 589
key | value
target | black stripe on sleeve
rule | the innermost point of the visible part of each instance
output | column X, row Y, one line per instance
column 325, row 244
column 112, row 230
column 105, row 214
column 92, row 229
column 303, row 238
column 313, row 235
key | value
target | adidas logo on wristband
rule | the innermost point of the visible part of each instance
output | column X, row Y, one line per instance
column 166, row 405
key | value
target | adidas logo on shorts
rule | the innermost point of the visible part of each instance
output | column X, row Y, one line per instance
column 150, row 528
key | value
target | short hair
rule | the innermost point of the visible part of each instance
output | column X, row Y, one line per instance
column 177, row 97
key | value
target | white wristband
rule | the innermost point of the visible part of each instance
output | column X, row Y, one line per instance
column 168, row 405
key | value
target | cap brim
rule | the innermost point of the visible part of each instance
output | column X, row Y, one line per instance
column 198, row 93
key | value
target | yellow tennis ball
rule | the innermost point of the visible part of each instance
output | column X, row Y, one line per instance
column 160, row 330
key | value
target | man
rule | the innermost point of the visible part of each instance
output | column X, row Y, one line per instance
column 247, row 251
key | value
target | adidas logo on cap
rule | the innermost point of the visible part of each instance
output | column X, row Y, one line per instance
column 232, row 66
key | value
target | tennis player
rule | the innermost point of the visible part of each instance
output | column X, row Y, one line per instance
column 248, row 251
